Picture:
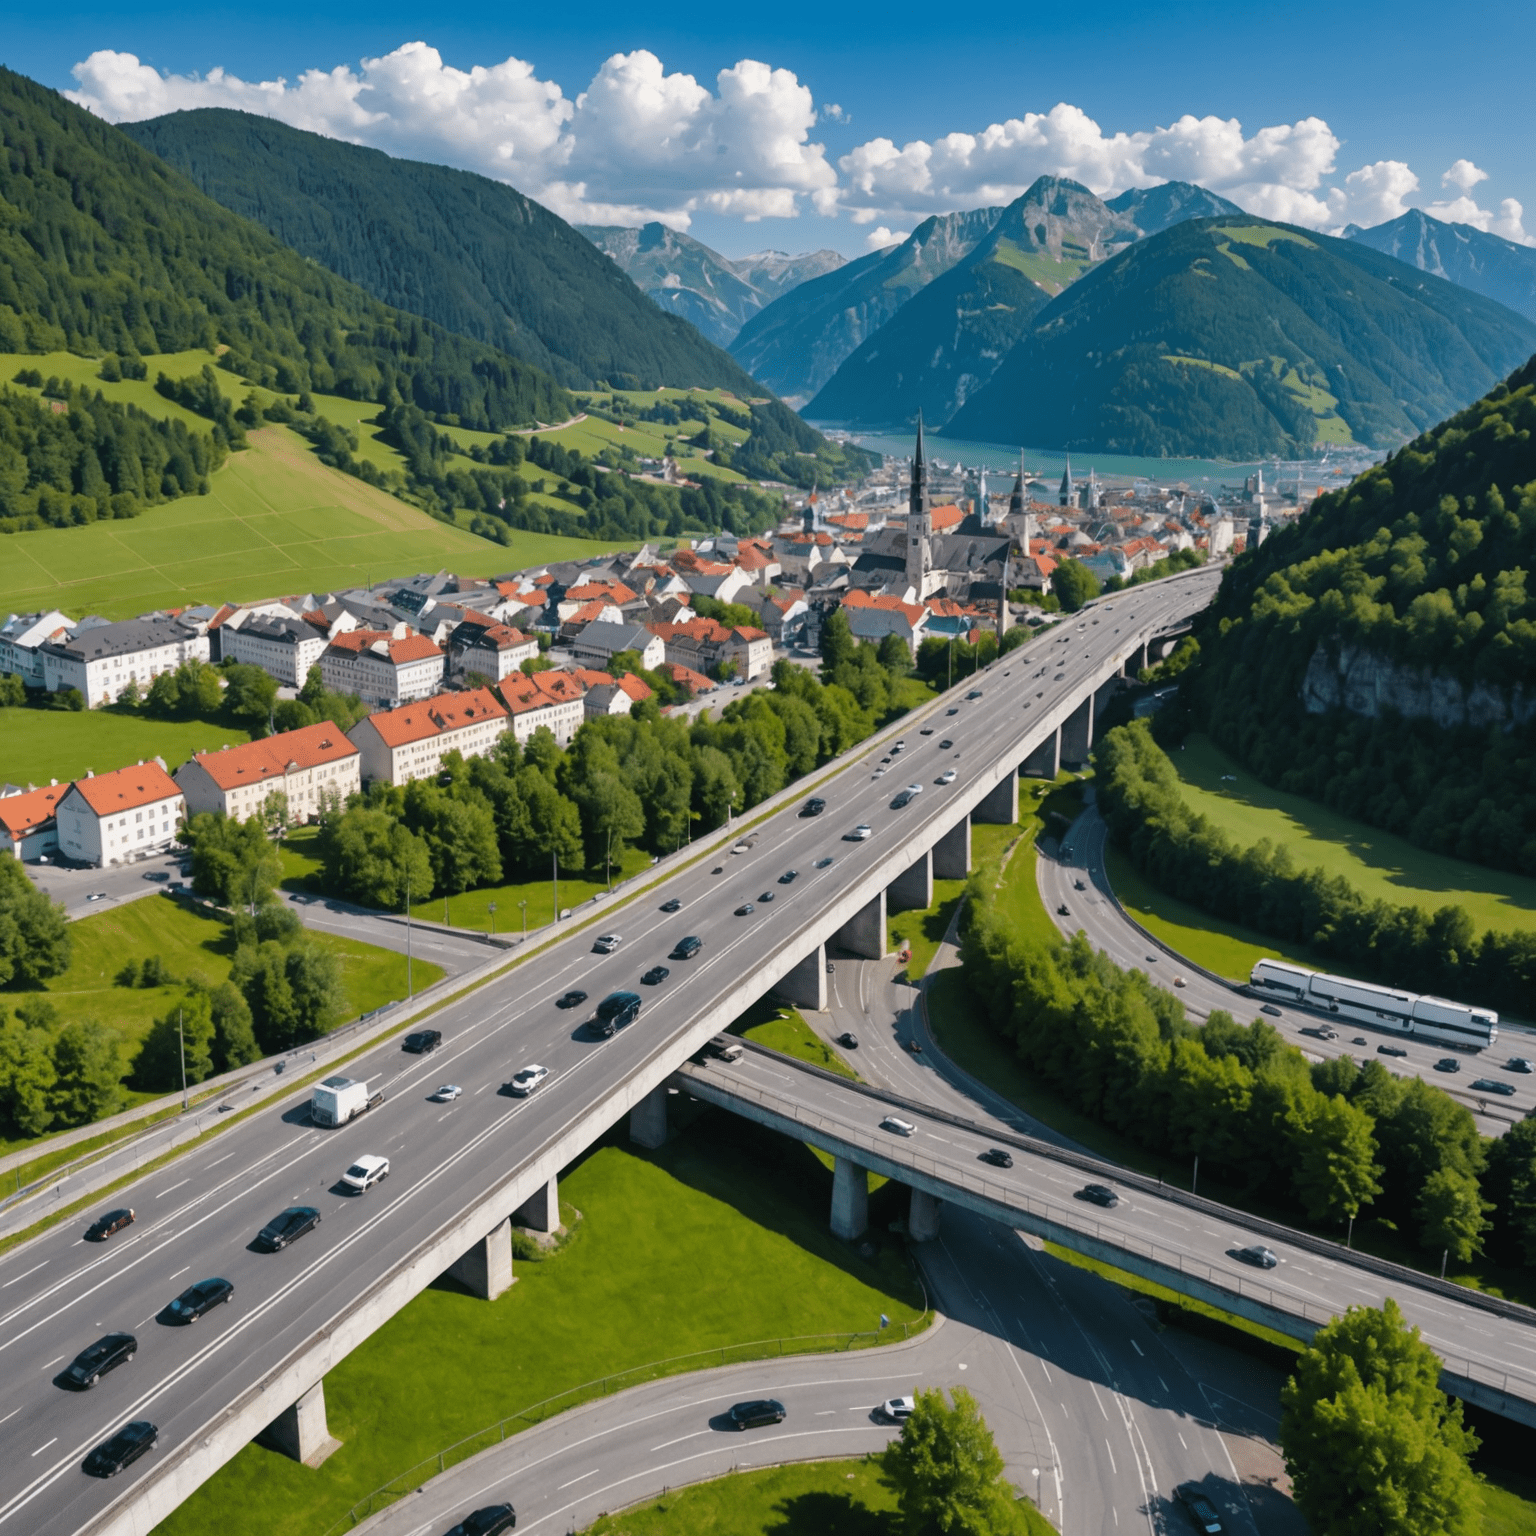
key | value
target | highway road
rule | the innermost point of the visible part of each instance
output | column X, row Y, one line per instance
column 1074, row 876
column 198, row 1216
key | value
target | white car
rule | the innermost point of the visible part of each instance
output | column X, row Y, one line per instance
column 367, row 1171
column 859, row 834
column 896, row 1410
column 527, row 1080
column 606, row 943
column 947, row 777
column 446, row 1093
column 897, row 1126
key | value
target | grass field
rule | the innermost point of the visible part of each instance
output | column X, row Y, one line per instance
column 705, row 1218
column 190, row 944
column 37, row 745
column 781, row 1028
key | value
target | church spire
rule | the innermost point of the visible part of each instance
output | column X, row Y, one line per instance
column 919, row 519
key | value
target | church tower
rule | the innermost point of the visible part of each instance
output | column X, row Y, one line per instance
column 983, row 511
column 1068, row 493
column 919, row 521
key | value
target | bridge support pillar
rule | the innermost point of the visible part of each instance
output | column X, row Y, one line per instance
column 648, row 1119
column 487, row 1268
column 806, row 985
column 952, row 852
column 912, row 889
column 864, row 933
column 1101, row 697
column 1002, row 805
column 850, row 1199
column 1139, row 661
column 300, row 1432
column 1045, row 761
column 540, row 1212
column 1077, row 735
column 923, row 1217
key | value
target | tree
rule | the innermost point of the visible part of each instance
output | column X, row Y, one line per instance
column 35, row 941
column 294, row 993
column 1372, row 1445
column 275, row 812
column 460, row 834
column 947, row 1471
column 249, row 696
column 234, row 1039
column 1074, row 584
column 894, row 656
column 232, row 861
column 89, row 1073
column 837, row 643
column 187, row 1027
column 373, row 859
column 1333, row 1157
column 1452, row 1214
column 27, row 1079
column 13, row 692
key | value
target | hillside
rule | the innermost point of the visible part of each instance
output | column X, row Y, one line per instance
column 1380, row 656
column 946, row 342
column 798, row 342
column 471, row 254
column 1487, row 264
column 105, row 248
column 685, row 277
column 1239, row 338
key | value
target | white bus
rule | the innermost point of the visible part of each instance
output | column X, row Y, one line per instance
column 1386, row 1008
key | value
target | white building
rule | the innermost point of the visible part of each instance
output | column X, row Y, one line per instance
column 491, row 650
column 118, row 817
column 552, row 700
column 101, row 662
column 382, row 668
column 598, row 644
column 398, row 745
column 310, row 766
column 28, row 820
column 21, row 640
column 284, row 648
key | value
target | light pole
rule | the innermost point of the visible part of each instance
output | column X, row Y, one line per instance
column 491, row 908
column 410, row 990
column 524, row 905
column 1194, row 1182
column 608, row 861
column 181, row 1045
column 554, row 865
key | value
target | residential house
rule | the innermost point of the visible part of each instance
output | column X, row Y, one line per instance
column 382, row 669
column 312, row 767
column 718, row 579
column 119, row 817
column 550, row 700
column 490, row 650
column 102, row 661
column 613, row 695
column 398, row 745
column 872, row 616
column 285, row 648
column 29, row 826
column 21, row 641
column 692, row 683
column 703, row 644
column 598, row 644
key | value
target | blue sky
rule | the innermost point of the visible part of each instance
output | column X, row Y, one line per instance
column 1362, row 102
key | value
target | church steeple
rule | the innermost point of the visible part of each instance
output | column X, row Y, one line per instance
column 1068, row 493
column 1016, row 500
column 919, row 518
column 983, row 512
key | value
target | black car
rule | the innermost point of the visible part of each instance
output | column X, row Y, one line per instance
column 122, row 1450
column 1447, row 1064
column 688, row 947
column 975, row 693
column 849, row 1039
column 614, row 1012
column 1493, row 1085
column 766, row 896
column 656, row 975
column 997, row 1157
column 571, row 1000
column 105, row 1226
column 1099, row 1194
column 674, row 905
column 824, row 863
column 1271, row 1010
column 1063, row 909
column 1200, row 1509
column 945, row 745
column 200, row 1298
column 1257, row 1255
column 763, row 1410
column 422, row 1042
column 814, row 806
column 90, row 1365
column 1390, row 1050
column 746, row 909
column 927, row 730
column 789, row 877
column 489, row 1521
column 292, row 1223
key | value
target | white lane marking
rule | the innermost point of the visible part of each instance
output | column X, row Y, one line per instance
column 11, row 1415
column 215, row 1163
column 39, row 1451
column 181, row 1271
column 694, row 1436
column 1137, row 1348
column 1108, row 1447
column 172, row 1190
column 53, row 1362
column 584, row 1476
column 1182, row 1440
column 23, row 1275
column 1163, row 1384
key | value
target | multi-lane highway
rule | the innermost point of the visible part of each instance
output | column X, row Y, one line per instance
column 1076, row 878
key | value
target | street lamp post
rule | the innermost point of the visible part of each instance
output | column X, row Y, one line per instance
column 491, row 908
column 554, row 864
column 181, row 1045
column 524, row 905
column 410, row 990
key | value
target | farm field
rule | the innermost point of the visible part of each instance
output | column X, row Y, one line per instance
column 37, row 745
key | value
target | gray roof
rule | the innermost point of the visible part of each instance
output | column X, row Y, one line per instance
column 123, row 639
column 614, row 638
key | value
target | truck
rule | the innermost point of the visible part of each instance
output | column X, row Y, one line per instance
column 340, row 1099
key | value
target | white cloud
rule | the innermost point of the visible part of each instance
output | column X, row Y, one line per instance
column 879, row 239
column 1464, row 175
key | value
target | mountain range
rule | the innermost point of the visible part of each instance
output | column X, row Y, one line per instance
column 469, row 253
column 719, row 294
column 1471, row 258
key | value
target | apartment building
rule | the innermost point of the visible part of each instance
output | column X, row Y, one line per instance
column 398, row 745
column 310, row 766
column 119, row 817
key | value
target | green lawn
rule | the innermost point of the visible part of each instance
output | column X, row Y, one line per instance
column 1379, row 864
column 37, row 745
column 784, row 1029
column 705, row 1218
column 1509, row 1503
column 191, row 944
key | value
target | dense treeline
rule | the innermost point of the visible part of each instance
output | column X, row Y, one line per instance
column 91, row 458
column 1182, row 853
column 1330, row 1140
column 105, row 249
column 783, row 447
column 1420, row 564
column 1168, row 565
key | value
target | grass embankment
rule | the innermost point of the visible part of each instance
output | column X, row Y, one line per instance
column 671, row 1257
column 44, row 744
column 1382, row 866
column 781, row 1028
column 191, row 944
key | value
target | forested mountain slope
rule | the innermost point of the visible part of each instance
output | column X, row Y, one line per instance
column 1471, row 258
column 471, row 254
column 105, row 248
column 1235, row 337
column 1380, row 656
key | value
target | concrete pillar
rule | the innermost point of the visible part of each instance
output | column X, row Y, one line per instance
column 1077, row 734
column 923, row 1217
column 952, row 852
column 487, row 1268
column 805, row 986
column 850, row 1199
column 1140, row 660
column 912, row 889
column 1002, row 805
column 541, row 1210
column 648, row 1119
column 300, row 1432
column 1045, row 761
column 864, row 933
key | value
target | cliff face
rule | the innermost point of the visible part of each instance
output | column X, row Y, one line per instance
column 1363, row 683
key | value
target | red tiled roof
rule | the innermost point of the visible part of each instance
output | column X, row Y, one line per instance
column 431, row 717
column 407, row 648
column 946, row 517
column 540, row 691
column 614, row 591
column 125, row 789
column 24, row 813
column 270, row 758
column 912, row 612
column 686, row 677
